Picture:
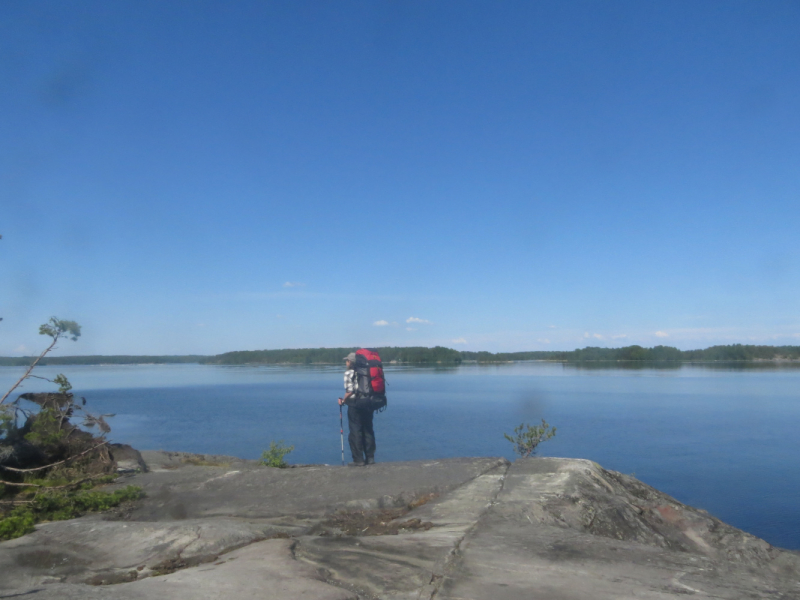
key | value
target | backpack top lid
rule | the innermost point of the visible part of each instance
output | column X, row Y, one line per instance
column 367, row 356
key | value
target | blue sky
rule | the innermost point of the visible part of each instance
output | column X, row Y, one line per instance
column 200, row 177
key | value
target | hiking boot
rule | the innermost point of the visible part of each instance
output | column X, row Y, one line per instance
column 370, row 460
column 355, row 463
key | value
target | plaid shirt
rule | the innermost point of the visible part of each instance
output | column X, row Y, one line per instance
column 350, row 381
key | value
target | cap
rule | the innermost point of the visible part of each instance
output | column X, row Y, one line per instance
column 351, row 357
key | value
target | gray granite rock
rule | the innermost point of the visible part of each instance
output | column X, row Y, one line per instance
column 220, row 527
column 128, row 459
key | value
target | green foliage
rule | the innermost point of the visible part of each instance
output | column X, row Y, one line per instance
column 58, row 506
column 57, row 328
column 527, row 437
column 46, row 428
column 61, row 505
column 274, row 457
column 63, row 383
column 19, row 522
column 7, row 420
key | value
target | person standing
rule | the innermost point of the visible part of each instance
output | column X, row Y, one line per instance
column 360, row 412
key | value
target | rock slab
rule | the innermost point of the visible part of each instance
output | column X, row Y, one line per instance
column 219, row 527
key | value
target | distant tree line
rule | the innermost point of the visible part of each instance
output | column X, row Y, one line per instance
column 438, row 355
column 732, row 352
column 309, row 356
column 24, row 361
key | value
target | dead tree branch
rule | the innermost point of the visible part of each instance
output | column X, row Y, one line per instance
column 43, row 487
column 71, row 458
column 28, row 372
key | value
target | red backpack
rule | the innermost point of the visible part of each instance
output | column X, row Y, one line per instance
column 369, row 371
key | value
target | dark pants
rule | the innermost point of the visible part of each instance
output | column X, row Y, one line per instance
column 362, row 437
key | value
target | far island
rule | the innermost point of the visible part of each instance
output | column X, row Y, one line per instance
column 633, row 355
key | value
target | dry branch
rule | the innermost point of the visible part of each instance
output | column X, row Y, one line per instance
column 15, row 484
column 28, row 372
column 54, row 487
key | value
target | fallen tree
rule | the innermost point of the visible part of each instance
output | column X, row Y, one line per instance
column 48, row 463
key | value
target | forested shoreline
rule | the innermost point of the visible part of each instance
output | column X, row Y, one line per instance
column 439, row 355
column 122, row 359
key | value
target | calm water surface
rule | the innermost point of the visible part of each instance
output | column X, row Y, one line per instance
column 722, row 439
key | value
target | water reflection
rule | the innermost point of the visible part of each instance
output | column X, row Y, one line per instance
column 625, row 365
column 638, row 365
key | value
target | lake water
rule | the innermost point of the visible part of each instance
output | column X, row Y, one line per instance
column 723, row 439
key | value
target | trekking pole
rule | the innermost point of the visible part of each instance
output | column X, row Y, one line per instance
column 341, row 431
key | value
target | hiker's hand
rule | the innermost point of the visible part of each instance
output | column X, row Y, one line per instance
column 341, row 401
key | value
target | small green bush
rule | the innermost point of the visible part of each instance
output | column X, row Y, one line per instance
column 527, row 437
column 62, row 505
column 274, row 456
column 58, row 506
column 19, row 522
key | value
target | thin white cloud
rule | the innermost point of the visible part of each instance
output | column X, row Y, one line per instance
column 292, row 284
column 662, row 334
column 598, row 336
column 586, row 334
column 543, row 340
column 619, row 336
column 381, row 323
column 411, row 328
column 460, row 340
column 417, row 320
column 22, row 349
column 551, row 326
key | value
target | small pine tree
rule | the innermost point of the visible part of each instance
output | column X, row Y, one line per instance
column 527, row 437
column 274, row 457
